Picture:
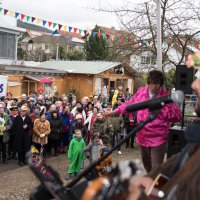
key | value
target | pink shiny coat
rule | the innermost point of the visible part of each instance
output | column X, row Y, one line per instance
column 154, row 133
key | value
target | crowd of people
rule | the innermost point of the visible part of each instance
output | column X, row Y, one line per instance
column 62, row 125
column 90, row 127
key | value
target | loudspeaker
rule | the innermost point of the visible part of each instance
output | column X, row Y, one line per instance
column 176, row 140
column 184, row 78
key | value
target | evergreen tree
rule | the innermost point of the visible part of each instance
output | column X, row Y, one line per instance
column 96, row 47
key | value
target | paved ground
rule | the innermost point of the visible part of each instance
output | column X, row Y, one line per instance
column 17, row 182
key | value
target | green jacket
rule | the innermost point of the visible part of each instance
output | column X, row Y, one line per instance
column 75, row 155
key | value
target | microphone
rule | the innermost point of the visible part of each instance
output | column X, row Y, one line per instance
column 157, row 103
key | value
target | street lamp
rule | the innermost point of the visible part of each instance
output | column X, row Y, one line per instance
column 159, row 35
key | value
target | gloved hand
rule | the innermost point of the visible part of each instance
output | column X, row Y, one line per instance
column 42, row 135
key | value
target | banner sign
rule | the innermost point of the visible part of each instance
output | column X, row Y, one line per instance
column 3, row 85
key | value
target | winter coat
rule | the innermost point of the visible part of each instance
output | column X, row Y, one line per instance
column 55, row 126
column 66, row 121
column 75, row 154
column 114, row 98
column 39, row 128
column 154, row 133
column 117, row 123
column 92, row 151
column 5, row 126
column 105, row 128
column 22, row 139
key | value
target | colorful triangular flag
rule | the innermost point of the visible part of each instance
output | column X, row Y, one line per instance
column 70, row 28
column 28, row 18
column 65, row 28
column 121, row 39
column 39, row 21
column 16, row 15
column 107, row 37
column 5, row 11
column 11, row 13
column 44, row 22
column 1, row 9
column 75, row 29
column 54, row 25
column 22, row 16
column 80, row 31
column 59, row 26
column 49, row 24
column 98, row 35
column 117, row 38
column 94, row 34
column 103, row 35
column 33, row 19
column 85, row 32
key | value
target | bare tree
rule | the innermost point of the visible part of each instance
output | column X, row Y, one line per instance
column 180, row 29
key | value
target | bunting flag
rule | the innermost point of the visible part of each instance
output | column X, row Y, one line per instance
column 98, row 35
column 33, row 19
column 11, row 13
column 5, row 11
column 75, row 29
column 103, row 35
column 39, row 21
column 80, row 31
column 54, row 25
column 22, row 16
column 49, row 24
column 65, row 28
column 88, row 33
column 85, row 32
column 94, row 34
column 28, row 18
column 44, row 22
column 16, row 15
column 70, row 28
column 59, row 26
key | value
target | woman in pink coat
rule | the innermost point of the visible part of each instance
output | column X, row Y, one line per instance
column 153, row 138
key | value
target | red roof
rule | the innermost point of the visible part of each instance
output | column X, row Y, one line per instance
column 66, row 33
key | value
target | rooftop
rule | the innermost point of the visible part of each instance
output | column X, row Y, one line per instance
column 80, row 67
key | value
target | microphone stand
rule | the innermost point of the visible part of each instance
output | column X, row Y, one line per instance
column 60, row 192
column 140, row 125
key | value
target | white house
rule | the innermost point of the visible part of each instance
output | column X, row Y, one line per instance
column 9, row 34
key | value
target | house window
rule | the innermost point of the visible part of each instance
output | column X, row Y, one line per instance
column 7, row 45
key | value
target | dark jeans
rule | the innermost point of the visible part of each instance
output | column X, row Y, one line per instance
column 2, row 148
column 116, row 139
column 130, row 142
column 10, row 146
column 65, row 139
column 152, row 156
column 52, row 143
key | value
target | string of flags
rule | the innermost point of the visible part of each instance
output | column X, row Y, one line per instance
column 57, row 26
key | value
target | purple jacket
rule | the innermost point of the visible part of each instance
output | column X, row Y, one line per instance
column 154, row 133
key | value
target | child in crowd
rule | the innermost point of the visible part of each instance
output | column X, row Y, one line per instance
column 93, row 149
column 75, row 154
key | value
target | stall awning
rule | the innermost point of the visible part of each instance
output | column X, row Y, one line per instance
column 40, row 79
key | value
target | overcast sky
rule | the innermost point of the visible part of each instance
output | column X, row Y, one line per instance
column 75, row 13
